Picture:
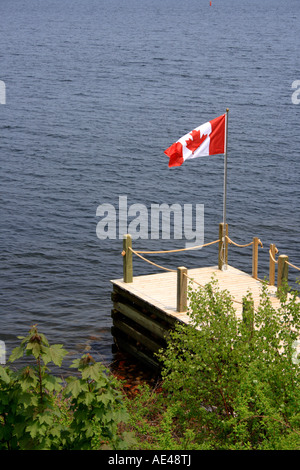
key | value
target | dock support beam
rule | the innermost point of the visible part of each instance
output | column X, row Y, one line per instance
column 221, row 261
column 283, row 270
column 127, row 259
column 181, row 289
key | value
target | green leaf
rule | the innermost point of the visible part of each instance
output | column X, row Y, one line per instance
column 88, row 398
column 57, row 353
column 88, row 428
column 75, row 364
column 92, row 371
column 73, row 387
column 28, row 399
column 33, row 429
column 16, row 353
column 105, row 398
column 54, row 353
column 52, row 383
column 45, row 418
column 4, row 375
column 35, row 349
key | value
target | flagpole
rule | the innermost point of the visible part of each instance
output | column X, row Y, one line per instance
column 224, row 264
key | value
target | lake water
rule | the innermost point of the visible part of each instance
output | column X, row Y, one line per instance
column 95, row 92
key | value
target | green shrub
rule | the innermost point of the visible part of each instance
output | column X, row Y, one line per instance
column 38, row 412
column 153, row 421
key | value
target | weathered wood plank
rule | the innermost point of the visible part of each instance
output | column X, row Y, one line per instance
column 136, row 352
column 135, row 334
column 120, row 294
column 143, row 320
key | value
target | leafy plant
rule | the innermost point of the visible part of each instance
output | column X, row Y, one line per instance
column 96, row 406
column 153, row 421
column 236, row 377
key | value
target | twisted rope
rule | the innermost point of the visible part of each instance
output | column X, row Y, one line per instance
column 177, row 250
column 140, row 252
column 274, row 260
column 242, row 246
column 293, row 266
column 271, row 256
column 151, row 262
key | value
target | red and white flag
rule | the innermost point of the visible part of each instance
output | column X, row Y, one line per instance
column 207, row 139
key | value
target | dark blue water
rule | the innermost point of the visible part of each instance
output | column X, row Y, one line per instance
column 95, row 92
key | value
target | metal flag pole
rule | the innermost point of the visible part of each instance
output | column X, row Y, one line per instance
column 224, row 264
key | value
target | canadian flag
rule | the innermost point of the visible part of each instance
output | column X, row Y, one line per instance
column 207, row 139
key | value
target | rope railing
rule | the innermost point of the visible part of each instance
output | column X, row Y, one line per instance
column 176, row 250
column 293, row 266
column 276, row 261
column 222, row 261
column 137, row 253
column 196, row 247
column 243, row 246
column 283, row 263
column 271, row 255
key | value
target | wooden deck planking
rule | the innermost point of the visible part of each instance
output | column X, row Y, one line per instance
column 160, row 289
column 145, row 310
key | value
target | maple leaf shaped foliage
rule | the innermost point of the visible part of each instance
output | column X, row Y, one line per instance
column 196, row 140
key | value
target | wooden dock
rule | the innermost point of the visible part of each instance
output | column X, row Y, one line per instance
column 147, row 307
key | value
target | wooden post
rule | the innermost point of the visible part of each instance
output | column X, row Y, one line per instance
column 255, row 257
column 221, row 252
column 283, row 270
column 273, row 251
column 127, row 259
column 181, row 289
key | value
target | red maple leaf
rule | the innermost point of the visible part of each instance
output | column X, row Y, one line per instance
column 196, row 140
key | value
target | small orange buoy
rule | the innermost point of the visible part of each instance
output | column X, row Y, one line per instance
column 210, row 4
